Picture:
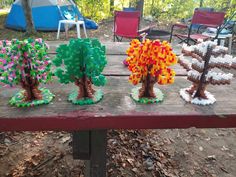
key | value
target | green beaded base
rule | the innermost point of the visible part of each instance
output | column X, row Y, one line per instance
column 98, row 95
column 17, row 99
column 135, row 95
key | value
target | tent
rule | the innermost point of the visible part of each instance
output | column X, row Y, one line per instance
column 46, row 14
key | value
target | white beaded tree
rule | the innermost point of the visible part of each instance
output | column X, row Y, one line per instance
column 207, row 57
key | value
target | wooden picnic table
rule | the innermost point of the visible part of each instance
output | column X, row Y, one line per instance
column 116, row 111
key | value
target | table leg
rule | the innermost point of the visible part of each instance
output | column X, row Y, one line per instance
column 78, row 30
column 230, row 44
column 81, row 145
column 91, row 146
column 66, row 29
column 85, row 30
column 58, row 30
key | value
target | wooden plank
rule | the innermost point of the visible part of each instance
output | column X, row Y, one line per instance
column 112, row 48
column 115, row 66
column 54, row 44
column 118, row 110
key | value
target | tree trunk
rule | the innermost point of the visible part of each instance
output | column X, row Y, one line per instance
column 202, row 83
column 28, row 16
column 146, row 91
column 201, row 3
column 140, row 5
column 32, row 92
column 201, row 92
column 111, row 6
column 85, row 88
column 30, row 85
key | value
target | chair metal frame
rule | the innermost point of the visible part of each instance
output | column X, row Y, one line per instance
column 202, row 18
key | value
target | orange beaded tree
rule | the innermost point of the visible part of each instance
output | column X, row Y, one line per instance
column 149, row 63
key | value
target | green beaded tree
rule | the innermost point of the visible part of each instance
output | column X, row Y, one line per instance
column 82, row 62
column 26, row 63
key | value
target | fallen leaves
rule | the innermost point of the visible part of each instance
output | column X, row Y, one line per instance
column 211, row 157
column 131, row 153
column 25, row 166
column 40, row 154
column 138, row 151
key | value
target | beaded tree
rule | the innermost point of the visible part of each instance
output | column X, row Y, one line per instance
column 82, row 62
column 149, row 61
column 207, row 57
column 26, row 63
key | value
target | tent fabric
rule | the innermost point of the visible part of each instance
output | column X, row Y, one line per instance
column 46, row 15
column 38, row 3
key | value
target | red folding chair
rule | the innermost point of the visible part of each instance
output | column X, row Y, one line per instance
column 202, row 18
column 126, row 24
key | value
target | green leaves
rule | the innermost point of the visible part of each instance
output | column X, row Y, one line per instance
column 99, row 81
column 170, row 10
column 20, row 59
column 57, row 61
column 81, row 57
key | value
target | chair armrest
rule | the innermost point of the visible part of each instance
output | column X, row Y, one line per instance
column 209, row 25
column 146, row 29
column 180, row 25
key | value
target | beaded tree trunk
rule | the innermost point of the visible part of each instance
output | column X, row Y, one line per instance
column 84, row 61
column 206, row 57
column 26, row 63
column 149, row 61
column 85, row 88
column 32, row 92
column 29, row 83
column 148, row 83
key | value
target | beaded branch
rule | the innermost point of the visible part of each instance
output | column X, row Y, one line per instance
column 82, row 61
column 26, row 63
column 149, row 63
column 206, row 57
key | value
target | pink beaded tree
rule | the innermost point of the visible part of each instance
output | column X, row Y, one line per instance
column 26, row 63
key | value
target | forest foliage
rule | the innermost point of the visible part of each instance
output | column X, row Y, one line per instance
column 160, row 10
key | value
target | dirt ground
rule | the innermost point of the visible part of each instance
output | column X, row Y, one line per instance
column 131, row 153
column 142, row 153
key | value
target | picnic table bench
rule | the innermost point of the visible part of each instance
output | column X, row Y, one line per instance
column 117, row 110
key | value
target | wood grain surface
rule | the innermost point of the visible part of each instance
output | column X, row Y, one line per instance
column 117, row 110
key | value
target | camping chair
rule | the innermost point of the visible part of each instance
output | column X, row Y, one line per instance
column 202, row 18
column 195, row 26
column 126, row 24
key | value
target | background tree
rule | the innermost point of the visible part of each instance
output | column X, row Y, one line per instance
column 201, row 3
column 206, row 57
column 140, row 6
column 25, row 63
column 112, row 6
column 149, row 61
column 84, row 60
column 95, row 9
column 28, row 16
column 5, row 3
column 166, row 11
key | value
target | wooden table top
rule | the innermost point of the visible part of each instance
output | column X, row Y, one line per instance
column 117, row 110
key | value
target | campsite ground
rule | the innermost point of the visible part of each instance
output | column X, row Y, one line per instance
column 159, row 153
